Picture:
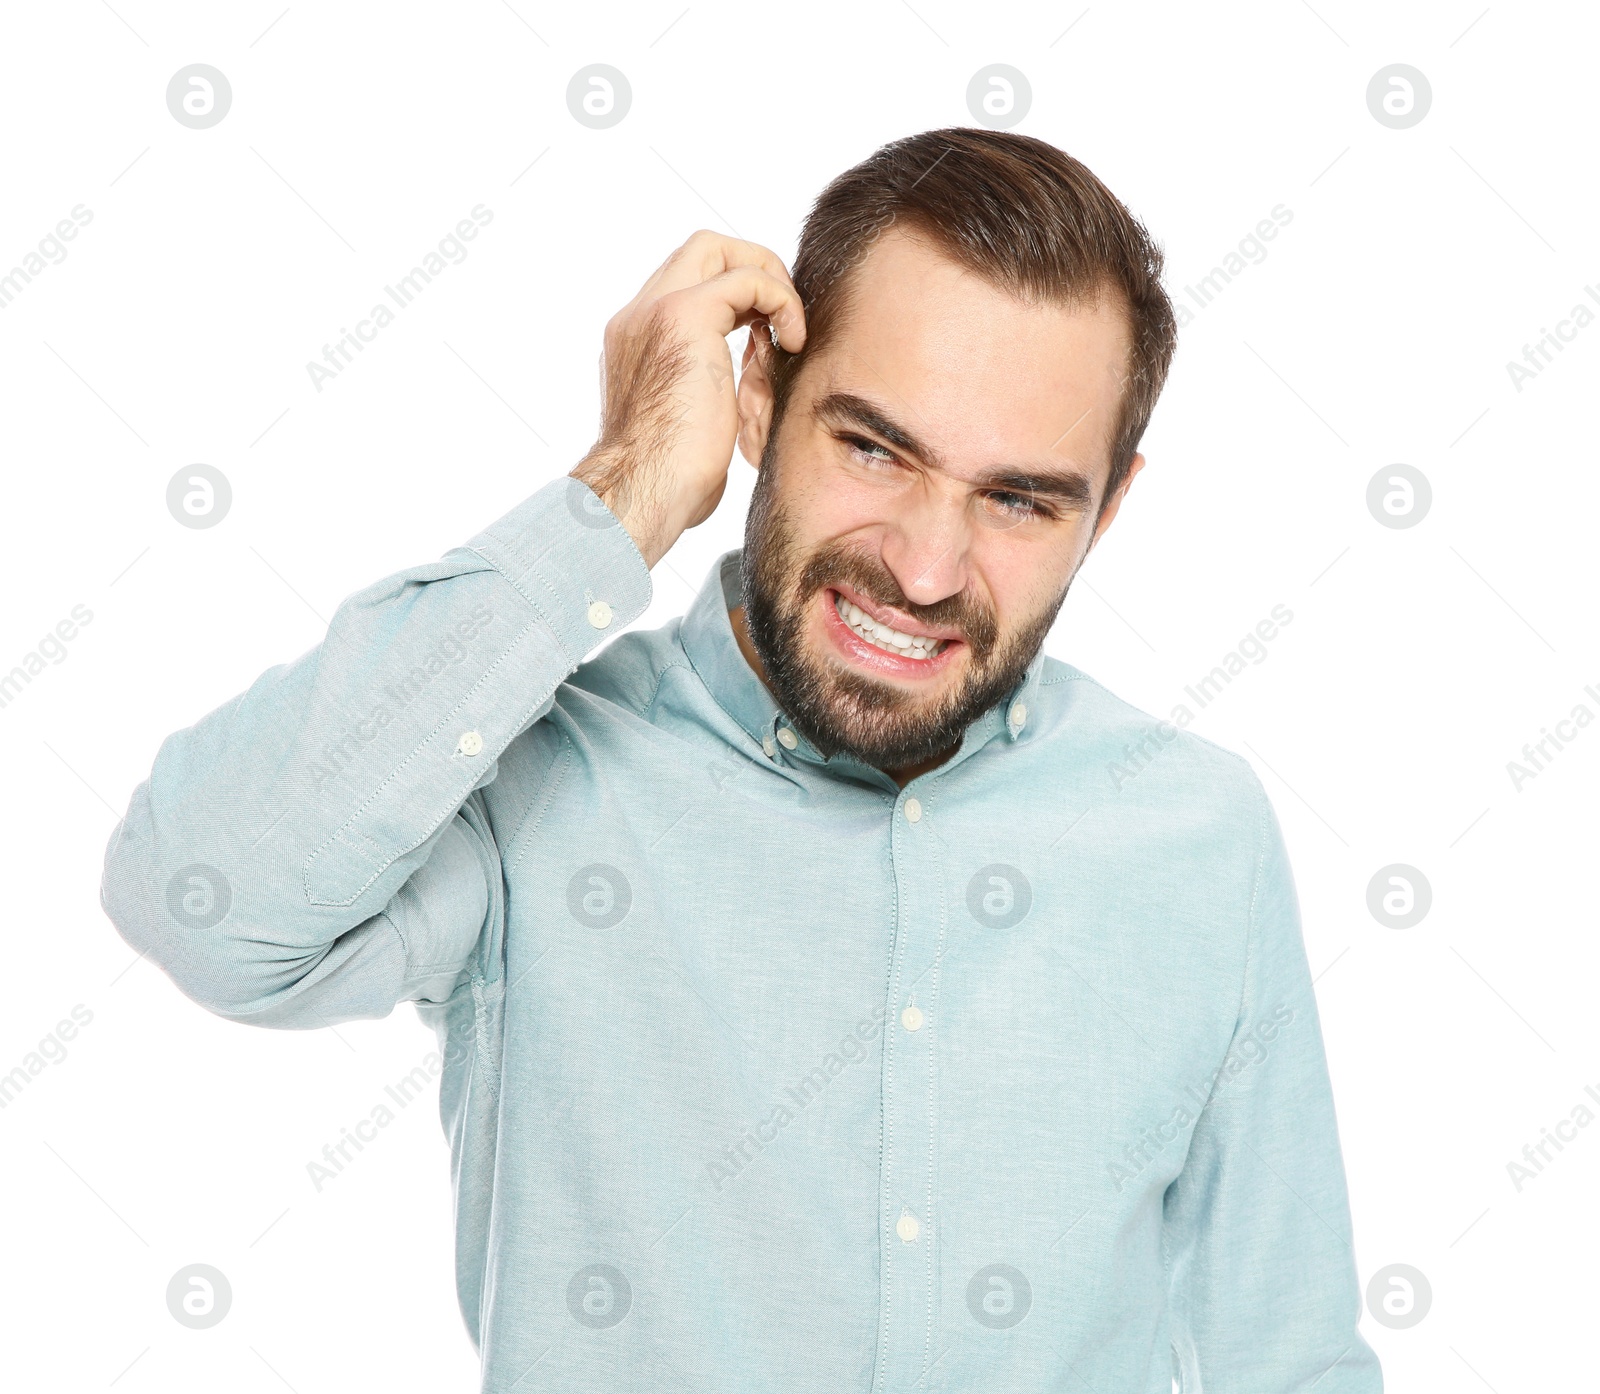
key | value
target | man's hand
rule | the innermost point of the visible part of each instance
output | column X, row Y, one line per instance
column 669, row 415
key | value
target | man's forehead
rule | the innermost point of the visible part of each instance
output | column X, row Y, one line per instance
column 908, row 272
column 971, row 369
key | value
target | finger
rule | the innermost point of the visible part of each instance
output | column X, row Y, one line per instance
column 707, row 254
column 740, row 295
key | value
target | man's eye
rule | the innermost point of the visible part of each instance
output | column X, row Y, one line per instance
column 1015, row 505
column 866, row 449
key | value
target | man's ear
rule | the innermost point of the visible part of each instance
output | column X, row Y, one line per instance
column 755, row 395
column 1115, row 501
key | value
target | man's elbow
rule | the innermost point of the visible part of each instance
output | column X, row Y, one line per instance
column 196, row 927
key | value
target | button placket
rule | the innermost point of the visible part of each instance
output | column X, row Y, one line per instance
column 906, row 1200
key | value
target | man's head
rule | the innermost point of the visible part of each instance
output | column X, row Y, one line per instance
column 986, row 337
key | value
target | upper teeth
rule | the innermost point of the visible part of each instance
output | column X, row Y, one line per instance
column 912, row 645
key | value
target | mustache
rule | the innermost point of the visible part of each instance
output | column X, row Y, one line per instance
column 865, row 574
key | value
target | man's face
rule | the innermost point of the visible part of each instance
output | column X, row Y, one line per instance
column 938, row 469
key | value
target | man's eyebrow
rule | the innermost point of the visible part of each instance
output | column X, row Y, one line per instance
column 1068, row 485
column 846, row 406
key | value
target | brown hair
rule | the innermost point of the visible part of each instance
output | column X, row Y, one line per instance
column 1015, row 210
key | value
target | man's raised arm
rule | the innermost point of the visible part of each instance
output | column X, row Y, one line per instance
column 312, row 851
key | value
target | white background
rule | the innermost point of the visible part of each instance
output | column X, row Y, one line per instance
column 1377, row 330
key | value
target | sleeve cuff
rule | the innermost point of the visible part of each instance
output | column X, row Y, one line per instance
column 572, row 560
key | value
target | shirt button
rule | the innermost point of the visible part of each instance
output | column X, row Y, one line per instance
column 599, row 614
column 1019, row 714
column 911, row 1018
column 913, row 810
column 907, row 1227
column 768, row 747
column 471, row 743
column 787, row 738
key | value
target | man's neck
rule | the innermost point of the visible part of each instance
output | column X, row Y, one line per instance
column 902, row 776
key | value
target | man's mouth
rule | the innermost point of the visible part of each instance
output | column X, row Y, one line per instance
column 885, row 649
column 883, row 636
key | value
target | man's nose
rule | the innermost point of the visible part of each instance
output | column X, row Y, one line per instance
column 927, row 548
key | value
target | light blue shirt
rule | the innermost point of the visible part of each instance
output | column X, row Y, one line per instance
column 760, row 1073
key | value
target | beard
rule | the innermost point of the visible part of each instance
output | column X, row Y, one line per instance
column 840, row 710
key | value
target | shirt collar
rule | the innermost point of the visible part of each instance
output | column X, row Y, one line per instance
column 708, row 639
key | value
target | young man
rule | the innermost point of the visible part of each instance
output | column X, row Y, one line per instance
column 835, row 993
